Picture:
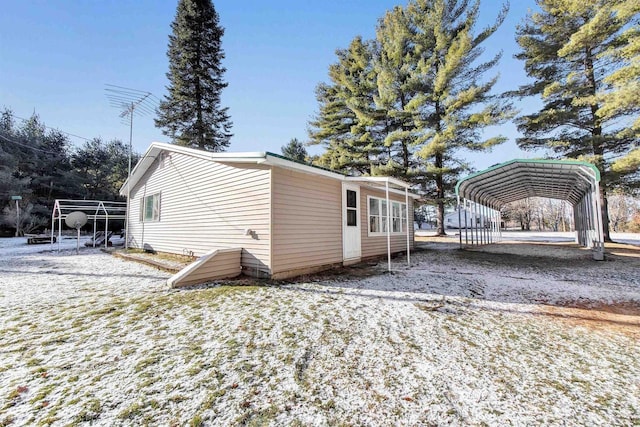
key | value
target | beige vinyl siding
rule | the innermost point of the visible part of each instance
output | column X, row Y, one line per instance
column 307, row 220
column 205, row 205
column 218, row 264
column 377, row 245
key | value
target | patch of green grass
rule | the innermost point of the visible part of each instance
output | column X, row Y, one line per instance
column 127, row 351
column 7, row 421
column 34, row 361
column 42, row 393
column 131, row 411
column 146, row 362
column 256, row 418
column 48, row 420
column 177, row 398
column 212, row 397
column 149, row 380
column 90, row 412
column 196, row 421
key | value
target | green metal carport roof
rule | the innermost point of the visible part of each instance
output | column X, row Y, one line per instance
column 518, row 179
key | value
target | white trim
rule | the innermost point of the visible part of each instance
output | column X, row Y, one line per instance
column 355, row 188
column 382, row 179
column 381, row 214
column 289, row 164
column 257, row 157
column 194, row 266
column 143, row 207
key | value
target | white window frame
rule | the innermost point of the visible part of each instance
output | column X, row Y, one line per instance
column 155, row 215
column 383, row 216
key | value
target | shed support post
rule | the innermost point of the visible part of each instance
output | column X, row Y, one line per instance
column 388, row 225
column 95, row 230
column 59, row 230
column 409, row 224
column 53, row 222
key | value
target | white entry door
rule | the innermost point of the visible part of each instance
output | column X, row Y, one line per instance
column 351, row 222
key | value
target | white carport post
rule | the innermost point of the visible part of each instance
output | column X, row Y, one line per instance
column 59, row 229
column 95, row 229
column 406, row 203
column 459, row 222
column 388, row 225
column 106, row 226
column 466, row 212
column 56, row 207
column 598, row 255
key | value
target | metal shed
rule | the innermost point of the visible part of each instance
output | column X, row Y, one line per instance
column 483, row 194
column 94, row 209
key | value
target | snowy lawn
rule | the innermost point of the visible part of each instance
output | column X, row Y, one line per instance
column 462, row 338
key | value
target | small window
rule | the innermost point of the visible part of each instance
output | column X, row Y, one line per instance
column 352, row 208
column 150, row 208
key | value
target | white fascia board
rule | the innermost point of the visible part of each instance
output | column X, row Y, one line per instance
column 369, row 181
column 391, row 190
column 388, row 179
column 157, row 147
column 288, row 164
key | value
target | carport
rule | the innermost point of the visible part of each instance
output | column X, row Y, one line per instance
column 482, row 195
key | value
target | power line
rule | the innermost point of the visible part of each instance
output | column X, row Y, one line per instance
column 52, row 128
column 28, row 146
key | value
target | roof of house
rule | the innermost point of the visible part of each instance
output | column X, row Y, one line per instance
column 257, row 157
column 521, row 178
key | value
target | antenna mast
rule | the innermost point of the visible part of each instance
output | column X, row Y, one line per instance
column 130, row 102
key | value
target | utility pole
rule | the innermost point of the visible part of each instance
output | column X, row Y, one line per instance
column 17, row 199
column 130, row 102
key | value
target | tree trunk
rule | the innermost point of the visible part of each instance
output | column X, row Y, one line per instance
column 440, row 196
column 598, row 150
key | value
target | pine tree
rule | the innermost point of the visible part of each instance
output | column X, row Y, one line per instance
column 295, row 150
column 572, row 51
column 397, row 89
column 347, row 124
column 456, row 101
column 191, row 113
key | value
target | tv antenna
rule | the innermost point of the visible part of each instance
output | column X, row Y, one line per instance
column 130, row 102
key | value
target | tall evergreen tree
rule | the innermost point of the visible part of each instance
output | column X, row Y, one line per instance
column 295, row 150
column 191, row 114
column 572, row 51
column 455, row 101
column 348, row 122
column 102, row 168
column 397, row 88
column 407, row 103
column 621, row 99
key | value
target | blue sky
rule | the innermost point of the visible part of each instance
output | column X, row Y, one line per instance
column 57, row 57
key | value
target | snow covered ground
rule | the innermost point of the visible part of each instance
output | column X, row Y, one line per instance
column 460, row 338
column 541, row 236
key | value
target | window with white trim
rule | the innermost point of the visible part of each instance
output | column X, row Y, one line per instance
column 377, row 213
column 150, row 208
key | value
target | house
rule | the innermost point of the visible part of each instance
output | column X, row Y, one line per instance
column 261, row 214
column 466, row 218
